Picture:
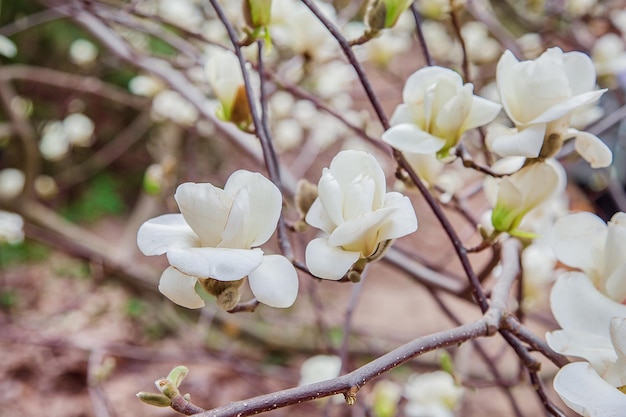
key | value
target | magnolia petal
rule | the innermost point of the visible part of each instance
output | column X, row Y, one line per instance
column 578, row 239
column 361, row 232
column 205, row 208
column 580, row 72
column 359, row 197
column 274, row 282
column 264, row 202
column 408, row 113
column 158, row 235
column 592, row 149
column 234, row 233
column 420, row 81
column 330, row 195
column 410, row 138
column 594, row 348
column 585, row 392
column 179, row 288
column 329, row 262
column 527, row 142
column 346, row 166
column 616, row 375
column 615, row 284
column 222, row 264
column 504, row 81
column 565, row 107
column 451, row 116
column 573, row 290
column 402, row 222
column 317, row 217
column 482, row 112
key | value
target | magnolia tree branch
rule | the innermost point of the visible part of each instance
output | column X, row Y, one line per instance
column 350, row 383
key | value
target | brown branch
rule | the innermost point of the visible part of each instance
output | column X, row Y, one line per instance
column 353, row 381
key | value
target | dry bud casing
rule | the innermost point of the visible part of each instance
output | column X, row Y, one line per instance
column 226, row 292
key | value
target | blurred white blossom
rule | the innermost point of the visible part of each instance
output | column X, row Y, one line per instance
column 11, row 228
column 7, row 47
column 609, row 55
column 170, row 105
column 12, row 181
column 433, row 394
column 83, row 52
column 145, row 85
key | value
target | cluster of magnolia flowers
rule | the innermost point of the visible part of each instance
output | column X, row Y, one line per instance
column 215, row 239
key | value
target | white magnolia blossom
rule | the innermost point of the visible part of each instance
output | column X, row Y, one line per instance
column 11, row 228
column 593, row 327
column 356, row 213
column 539, row 96
column 437, row 109
column 582, row 240
column 480, row 47
column 433, row 394
column 217, row 236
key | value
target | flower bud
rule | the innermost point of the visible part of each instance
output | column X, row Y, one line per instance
column 177, row 375
column 226, row 292
column 383, row 14
column 257, row 13
column 158, row 400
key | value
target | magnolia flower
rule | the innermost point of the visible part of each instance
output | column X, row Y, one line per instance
column 79, row 129
column 223, row 72
column 438, row 108
column 539, row 96
column 521, row 192
column 593, row 328
column 357, row 215
column 582, row 240
column 216, row 239
column 433, row 394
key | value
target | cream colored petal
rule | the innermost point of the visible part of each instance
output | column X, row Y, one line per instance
column 348, row 165
column 592, row 149
column 156, row 236
column 205, row 208
column 217, row 263
column 274, row 282
column 420, row 81
column 410, row 138
column 330, row 195
column 573, row 291
column 329, row 262
column 402, row 222
column 317, row 217
column 585, row 392
column 179, row 288
column 264, row 204
column 578, row 241
column 359, row 197
column 527, row 142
